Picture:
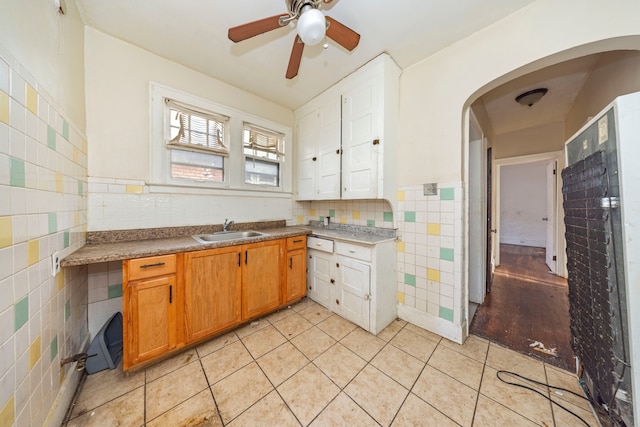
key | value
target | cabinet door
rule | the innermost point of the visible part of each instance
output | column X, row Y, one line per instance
column 262, row 276
column 353, row 299
column 150, row 312
column 319, row 276
column 329, row 145
column 307, row 147
column 360, row 129
column 212, row 291
column 296, row 275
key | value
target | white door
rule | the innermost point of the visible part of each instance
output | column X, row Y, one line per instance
column 307, row 157
column 360, row 140
column 319, row 272
column 353, row 299
column 329, row 120
column 477, row 221
column 550, row 217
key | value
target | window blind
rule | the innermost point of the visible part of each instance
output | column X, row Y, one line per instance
column 197, row 130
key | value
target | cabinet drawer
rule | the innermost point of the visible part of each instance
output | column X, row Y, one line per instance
column 297, row 242
column 354, row 251
column 141, row 268
column 320, row 244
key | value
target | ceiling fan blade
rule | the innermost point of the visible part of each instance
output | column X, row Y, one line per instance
column 296, row 57
column 252, row 29
column 342, row 34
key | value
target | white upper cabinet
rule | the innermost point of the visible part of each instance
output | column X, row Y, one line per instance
column 345, row 137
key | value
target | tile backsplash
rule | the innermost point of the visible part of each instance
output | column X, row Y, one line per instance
column 368, row 213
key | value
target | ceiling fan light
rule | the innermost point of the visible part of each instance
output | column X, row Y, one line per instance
column 312, row 27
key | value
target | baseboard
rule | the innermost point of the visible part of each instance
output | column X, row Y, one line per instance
column 444, row 328
column 67, row 392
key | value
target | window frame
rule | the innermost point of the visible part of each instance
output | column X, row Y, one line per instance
column 280, row 151
column 234, row 163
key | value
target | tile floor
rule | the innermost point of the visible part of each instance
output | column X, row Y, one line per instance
column 307, row 366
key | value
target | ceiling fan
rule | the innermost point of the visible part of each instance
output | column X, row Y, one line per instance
column 312, row 27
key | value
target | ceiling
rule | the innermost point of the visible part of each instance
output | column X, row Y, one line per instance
column 194, row 33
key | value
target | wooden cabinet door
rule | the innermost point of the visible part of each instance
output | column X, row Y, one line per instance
column 150, row 310
column 296, row 275
column 212, row 291
column 262, row 276
column 352, row 300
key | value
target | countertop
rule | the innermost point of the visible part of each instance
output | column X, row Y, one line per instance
column 348, row 235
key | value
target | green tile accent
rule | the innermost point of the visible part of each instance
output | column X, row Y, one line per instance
column 51, row 138
column 447, row 194
column 17, row 175
column 66, row 239
column 409, row 279
column 409, row 216
column 115, row 291
column 54, row 348
column 20, row 313
column 53, row 222
column 67, row 310
column 446, row 314
column 80, row 188
column 65, row 130
column 387, row 217
column 371, row 223
column 332, row 213
column 446, row 254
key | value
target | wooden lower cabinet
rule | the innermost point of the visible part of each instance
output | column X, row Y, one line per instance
column 262, row 277
column 212, row 289
column 296, row 268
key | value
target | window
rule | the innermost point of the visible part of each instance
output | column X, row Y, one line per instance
column 263, row 154
column 198, row 143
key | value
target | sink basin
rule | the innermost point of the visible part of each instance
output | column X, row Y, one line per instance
column 223, row 236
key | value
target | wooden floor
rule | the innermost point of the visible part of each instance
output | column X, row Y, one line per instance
column 528, row 308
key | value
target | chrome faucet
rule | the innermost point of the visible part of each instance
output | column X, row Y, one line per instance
column 226, row 224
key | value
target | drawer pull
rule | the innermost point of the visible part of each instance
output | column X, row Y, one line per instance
column 290, row 263
column 297, row 241
column 157, row 264
column 351, row 251
column 170, row 294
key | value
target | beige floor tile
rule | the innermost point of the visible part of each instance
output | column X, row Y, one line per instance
column 473, row 347
column 104, row 386
column 304, row 304
column 292, row 326
column 336, row 327
column 377, row 394
column 559, row 378
column 399, row 365
column 464, row 369
column 501, row 358
column 423, row 332
column 263, row 341
column 414, row 344
column 315, row 314
column 267, row 412
column 200, row 410
column 525, row 402
column 313, row 342
column 391, row 330
column 447, row 395
column 225, row 361
column 252, row 327
column 216, row 343
column 416, row 412
column 282, row 362
column 126, row 410
column 281, row 314
column 564, row 418
column 178, row 361
column 307, row 393
column 491, row 414
column 173, row 389
column 240, row 391
column 363, row 343
column 340, row 364
column 343, row 411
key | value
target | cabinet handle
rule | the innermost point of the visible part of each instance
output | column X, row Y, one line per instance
column 170, row 294
column 376, row 141
column 314, row 158
column 297, row 241
column 337, row 265
column 290, row 263
column 239, row 258
column 332, row 281
column 246, row 257
column 157, row 264
column 338, row 302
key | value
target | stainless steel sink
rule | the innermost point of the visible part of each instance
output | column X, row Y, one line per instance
column 223, row 236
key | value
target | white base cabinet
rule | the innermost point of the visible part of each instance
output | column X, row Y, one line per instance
column 355, row 281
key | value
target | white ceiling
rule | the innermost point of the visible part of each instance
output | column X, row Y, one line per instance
column 194, row 33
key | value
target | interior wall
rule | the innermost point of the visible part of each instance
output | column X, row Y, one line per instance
column 523, row 204
column 616, row 73
column 43, row 173
column 540, row 139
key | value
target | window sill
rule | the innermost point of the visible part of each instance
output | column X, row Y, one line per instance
column 257, row 192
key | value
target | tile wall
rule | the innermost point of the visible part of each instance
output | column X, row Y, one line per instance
column 368, row 213
column 105, row 293
column 43, row 190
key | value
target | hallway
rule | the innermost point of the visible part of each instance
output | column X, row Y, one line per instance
column 527, row 309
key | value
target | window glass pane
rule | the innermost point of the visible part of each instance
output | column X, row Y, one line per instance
column 197, row 166
column 261, row 172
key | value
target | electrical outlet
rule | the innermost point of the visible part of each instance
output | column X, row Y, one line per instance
column 55, row 264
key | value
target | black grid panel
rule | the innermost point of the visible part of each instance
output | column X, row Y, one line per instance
column 588, row 235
